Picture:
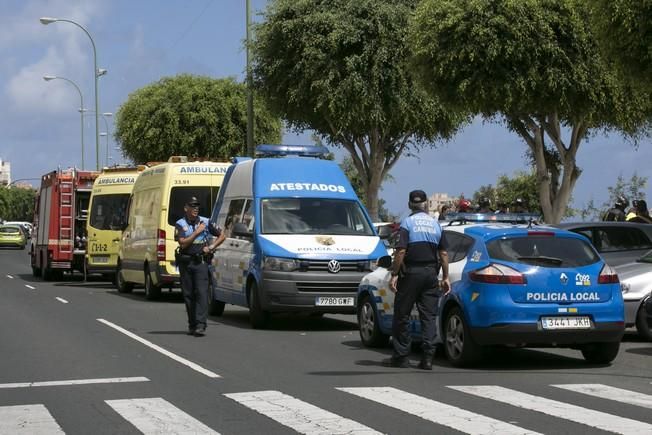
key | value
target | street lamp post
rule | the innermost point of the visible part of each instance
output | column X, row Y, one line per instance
column 107, row 133
column 96, row 74
column 250, row 95
column 47, row 78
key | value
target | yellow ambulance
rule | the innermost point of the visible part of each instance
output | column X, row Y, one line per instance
column 146, row 255
column 108, row 216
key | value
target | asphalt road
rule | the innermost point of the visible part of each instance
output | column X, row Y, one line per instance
column 80, row 358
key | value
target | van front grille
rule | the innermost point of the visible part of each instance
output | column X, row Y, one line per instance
column 345, row 266
column 327, row 287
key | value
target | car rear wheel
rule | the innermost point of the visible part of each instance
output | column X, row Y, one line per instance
column 152, row 292
column 643, row 323
column 120, row 283
column 459, row 346
column 258, row 317
column 601, row 353
column 368, row 326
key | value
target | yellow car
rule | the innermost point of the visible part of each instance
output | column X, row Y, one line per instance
column 12, row 235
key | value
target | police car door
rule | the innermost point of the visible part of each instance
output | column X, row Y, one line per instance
column 223, row 259
column 243, row 251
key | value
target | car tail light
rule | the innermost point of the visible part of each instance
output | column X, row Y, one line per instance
column 160, row 246
column 498, row 274
column 608, row 275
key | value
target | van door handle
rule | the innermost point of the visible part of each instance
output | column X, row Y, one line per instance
column 234, row 245
column 116, row 240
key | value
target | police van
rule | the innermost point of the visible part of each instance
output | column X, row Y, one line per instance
column 298, row 237
column 146, row 254
column 108, row 216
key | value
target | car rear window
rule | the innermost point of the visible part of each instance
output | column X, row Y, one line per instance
column 547, row 251
column 9, row 230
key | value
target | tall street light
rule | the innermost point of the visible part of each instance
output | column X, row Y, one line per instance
column 47, row 78
column 96, row 74
column 250, row 95
column 107, row 133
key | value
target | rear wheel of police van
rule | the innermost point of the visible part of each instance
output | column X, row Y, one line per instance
column 258, row 317
column 368, row 324
column 643, row 323
column 152, row 292
column 120, row 283
column 459, row 346
column 600, row 353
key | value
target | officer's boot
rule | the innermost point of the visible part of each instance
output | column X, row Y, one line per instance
column 426, row 362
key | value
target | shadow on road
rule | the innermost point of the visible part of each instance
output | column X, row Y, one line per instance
column 289, row 322
column 173, row 296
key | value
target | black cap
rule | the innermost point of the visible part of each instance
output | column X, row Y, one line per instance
column 192, row 201
column 418, row 196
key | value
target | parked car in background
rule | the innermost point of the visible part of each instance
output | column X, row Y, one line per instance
column 513, row 285
column 27, row 226
column 636, row 284
column 617, row 242
column 12, row 236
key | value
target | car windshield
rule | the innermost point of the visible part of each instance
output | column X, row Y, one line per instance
column 646, row 258
column 546, row 251
column 314, row 216
column 10, row 230
column 109, row 212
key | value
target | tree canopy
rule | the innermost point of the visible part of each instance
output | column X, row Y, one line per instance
column 339, row 67
column 521, row 185
column 534, row 65
column 17, row 204
column 191, row 115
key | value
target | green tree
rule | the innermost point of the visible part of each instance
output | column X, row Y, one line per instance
column 632, row 189
column 17, row 204
column 193, row 116
column 339, row 67
column 522, row 185
column 535, row 66
column 351, row 172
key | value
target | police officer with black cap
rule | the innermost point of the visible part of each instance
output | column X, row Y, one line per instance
column 419, row 253
column 196, row 247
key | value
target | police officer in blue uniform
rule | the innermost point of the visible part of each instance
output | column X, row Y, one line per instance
column 419, row 253
column 196, row 247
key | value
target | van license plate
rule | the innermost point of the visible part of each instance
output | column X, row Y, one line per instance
column 100, row 258
column 328, row 301
column 569, row 322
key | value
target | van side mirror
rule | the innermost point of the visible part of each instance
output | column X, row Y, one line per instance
column 385, row 262
column 241, row 230
column 384, row 232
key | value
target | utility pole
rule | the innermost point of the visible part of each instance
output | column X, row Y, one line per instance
column 250, row 95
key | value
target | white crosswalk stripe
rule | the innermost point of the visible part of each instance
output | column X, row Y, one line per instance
column 158, row 416
column 27, row 419
column 437, row 412
column 298, row 415
column 610, row 393
column 578, row 414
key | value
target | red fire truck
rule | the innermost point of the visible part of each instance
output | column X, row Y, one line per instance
column 61, row 210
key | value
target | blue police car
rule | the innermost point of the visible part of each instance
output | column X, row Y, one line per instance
column 513, row 284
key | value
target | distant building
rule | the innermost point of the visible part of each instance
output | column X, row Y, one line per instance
column 5, row 173
column 436, row 200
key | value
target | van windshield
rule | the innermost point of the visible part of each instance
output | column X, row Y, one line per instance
column 314, row 216
column 207, row 195
column 109, row 212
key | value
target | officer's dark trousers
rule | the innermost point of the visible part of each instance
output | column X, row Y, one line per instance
column 194, row 285
column 418, row 285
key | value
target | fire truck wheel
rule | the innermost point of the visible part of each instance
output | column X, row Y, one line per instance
column 152, row 292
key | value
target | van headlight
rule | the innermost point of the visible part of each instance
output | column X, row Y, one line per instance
column 281, row 264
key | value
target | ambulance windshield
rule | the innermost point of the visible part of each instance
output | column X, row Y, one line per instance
column 314, row 216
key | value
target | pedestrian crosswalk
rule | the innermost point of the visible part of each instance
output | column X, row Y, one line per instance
column 155, row 415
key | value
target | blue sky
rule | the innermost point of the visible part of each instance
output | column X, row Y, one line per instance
column 140, row 41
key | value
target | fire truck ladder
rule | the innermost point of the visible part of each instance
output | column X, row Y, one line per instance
column 66, row 220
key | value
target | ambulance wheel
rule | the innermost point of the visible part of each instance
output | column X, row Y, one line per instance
column 600, row 353
column 120, row 283
column 215, row 307
column 152, row 292
column 459, row 346
column 368, row 326
column 643, row 325
column 258, row 317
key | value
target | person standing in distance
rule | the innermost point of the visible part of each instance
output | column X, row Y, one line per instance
column 419, row 253
column 617, row 212
column 195, row 251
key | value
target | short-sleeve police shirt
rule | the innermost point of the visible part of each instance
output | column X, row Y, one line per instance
column 421, row 236
column 183, row 228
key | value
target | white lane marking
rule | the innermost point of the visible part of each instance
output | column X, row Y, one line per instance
column 29, row 286
column 578, row 414
column 610, row 393
column 298, row 415
column 74, row 382
column 158, row 416
column 158, row 348
column 62, row 300
column 436, row 412
column 27, row 419
column 10, row 277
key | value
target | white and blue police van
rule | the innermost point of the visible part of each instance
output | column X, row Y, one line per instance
column 298, row 239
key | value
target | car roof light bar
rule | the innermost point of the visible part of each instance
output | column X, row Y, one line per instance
column 268, row 150
column 493, row 217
